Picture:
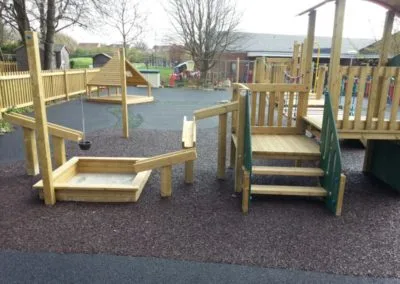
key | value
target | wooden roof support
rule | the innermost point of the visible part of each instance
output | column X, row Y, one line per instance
column 334, row 63
column 384, row 54
column 32, row 45
column 310, row 48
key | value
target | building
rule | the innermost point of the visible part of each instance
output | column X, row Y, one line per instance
column 253, row 45
column 89, row 45
column 100, row 59
column 60, row 57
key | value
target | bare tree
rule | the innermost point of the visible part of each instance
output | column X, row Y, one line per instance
column 206, row 28
column 50, row 17
column 128, row 19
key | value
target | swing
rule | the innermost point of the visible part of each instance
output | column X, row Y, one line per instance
column 84, row 144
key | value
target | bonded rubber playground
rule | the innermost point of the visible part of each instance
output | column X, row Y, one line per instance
column 200, row 222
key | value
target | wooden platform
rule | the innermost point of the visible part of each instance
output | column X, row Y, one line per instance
column 115, row 99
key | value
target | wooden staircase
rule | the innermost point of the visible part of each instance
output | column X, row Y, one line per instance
column 329, row 182
column 306, row 152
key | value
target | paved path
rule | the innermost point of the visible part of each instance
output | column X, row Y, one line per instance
column 21, row 267
column 165, row 113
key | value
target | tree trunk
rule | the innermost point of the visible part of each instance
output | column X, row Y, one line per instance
column 50, row 32
column 42, row 20
column 22, row 18
column 203, row 72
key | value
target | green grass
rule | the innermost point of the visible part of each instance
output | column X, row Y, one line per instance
column 81, row 62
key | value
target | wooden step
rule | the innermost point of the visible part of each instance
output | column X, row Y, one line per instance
column 287, row 171
column 288, row 190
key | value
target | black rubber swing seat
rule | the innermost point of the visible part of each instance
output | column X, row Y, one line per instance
column 85, row 145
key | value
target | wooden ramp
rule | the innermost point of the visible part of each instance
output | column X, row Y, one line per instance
column 115, row 99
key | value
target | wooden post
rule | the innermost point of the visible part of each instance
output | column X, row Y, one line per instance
column 237, row 69
column 31, row 157
column 108, row 90
column 308, row 71
column 59, row 151
column 233, row 155
column 98, row 91
column 334, row 62
column 254, row 71
column 149, row 94
column 222, row 145
column 66, row 85
column 124, row 105
column 86, row 84
column 246, row 191
column 189, row 170
column 384, row 54
column 166, row 181
column 386, row 38
column 240, row 143
column 32, row 45
column 339, row 204
column 368, row 156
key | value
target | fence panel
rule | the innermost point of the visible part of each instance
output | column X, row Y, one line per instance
column 16, row 90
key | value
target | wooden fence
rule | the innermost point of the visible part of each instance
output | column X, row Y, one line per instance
column 8, row 66
column 16, row 90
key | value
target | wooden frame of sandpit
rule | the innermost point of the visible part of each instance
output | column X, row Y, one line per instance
column 97, row 179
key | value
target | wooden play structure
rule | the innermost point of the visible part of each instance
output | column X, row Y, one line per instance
column 119, row 73
column 91, row 179
column 110, row 76
column 271, row 119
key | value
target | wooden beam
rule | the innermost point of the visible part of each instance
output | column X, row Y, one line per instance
column 31, row 156
column 168, row 159
column 222, row 129
column 32, row 45
column 53, row 129
column 166, row 181
column 59, row 151
column 124, row 104
column 215, row 110
column 189, row 172
column 334, row 64
column 268, row 87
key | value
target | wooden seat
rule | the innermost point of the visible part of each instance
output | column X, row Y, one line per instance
column 284, row 147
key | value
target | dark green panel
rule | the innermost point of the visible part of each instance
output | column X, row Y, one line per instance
column 385, row 163
column 330, row 162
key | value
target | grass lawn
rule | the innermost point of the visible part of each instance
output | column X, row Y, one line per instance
column 81, row 62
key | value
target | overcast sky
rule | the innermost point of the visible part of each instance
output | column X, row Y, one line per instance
column 362, row 20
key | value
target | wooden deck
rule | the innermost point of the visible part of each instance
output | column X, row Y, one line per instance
column 115, row 99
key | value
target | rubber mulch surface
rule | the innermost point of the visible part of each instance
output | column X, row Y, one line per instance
column 203, row 222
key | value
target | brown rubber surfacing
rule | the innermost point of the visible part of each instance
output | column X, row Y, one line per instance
column 203, row 222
